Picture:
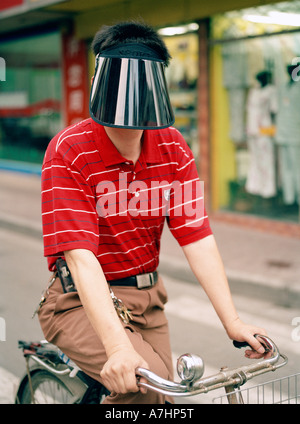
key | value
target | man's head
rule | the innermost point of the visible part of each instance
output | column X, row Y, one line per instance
column 129, row 88
column 130, row 32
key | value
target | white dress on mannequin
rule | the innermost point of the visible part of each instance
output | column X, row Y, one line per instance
column 261, row 106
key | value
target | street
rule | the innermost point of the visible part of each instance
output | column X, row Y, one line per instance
column 194, row 325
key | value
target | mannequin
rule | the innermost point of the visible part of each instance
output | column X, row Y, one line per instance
column 288, row 138
column 261, row 112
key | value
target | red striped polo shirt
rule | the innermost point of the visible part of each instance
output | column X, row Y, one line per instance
column 95, row 199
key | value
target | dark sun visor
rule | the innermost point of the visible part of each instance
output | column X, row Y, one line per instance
column 129, row 89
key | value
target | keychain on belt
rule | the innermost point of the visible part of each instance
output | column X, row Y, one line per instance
column 44, row 295
column 121, row 309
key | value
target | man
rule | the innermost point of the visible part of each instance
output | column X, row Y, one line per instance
column 108, row 185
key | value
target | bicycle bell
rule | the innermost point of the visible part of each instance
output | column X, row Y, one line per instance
column 190, row 367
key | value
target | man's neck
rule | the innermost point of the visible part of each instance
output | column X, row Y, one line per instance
column 127, row 141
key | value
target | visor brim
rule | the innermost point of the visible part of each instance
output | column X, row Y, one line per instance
column 130, row 93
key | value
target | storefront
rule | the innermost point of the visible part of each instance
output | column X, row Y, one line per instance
column 44, row 90
column 255, row 119
column 31, row 96
column 252, row 152
column 182, row 77
column 228, row 71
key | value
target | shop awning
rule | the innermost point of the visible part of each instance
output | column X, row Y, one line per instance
column 89, row 15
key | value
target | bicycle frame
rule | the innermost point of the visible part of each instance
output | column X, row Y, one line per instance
column 78, row 383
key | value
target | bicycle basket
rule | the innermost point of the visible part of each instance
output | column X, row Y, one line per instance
column 285, row 390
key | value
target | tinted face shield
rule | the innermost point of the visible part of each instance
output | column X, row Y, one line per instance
column 129, row 89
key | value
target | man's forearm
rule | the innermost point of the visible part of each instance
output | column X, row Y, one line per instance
column 95, row 297
column 206, row 263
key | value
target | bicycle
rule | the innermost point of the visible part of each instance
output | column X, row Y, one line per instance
column 53, row 378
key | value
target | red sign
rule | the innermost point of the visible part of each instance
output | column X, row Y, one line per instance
column 30, row 110
column 7, row 4
column 75, row 77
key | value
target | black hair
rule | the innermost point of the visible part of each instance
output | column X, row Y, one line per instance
column 264, row 77
column 130, row 32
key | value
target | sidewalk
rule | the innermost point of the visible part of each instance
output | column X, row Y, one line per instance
column 257, row 264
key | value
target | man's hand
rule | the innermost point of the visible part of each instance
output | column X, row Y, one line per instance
column 118, row 373
column 241, row 332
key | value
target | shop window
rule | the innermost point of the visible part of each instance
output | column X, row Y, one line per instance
column 258, row 88
column 30, row 96
column 182, row 75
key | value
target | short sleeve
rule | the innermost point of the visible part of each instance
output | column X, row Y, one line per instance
column 69, row 213
column 187, row 217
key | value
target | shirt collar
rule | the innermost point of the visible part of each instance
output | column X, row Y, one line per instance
column 150, row 150
column 111, row 156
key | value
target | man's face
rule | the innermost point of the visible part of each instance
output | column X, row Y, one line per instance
column 124, row 133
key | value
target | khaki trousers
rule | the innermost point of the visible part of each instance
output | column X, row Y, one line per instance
column 65, row 324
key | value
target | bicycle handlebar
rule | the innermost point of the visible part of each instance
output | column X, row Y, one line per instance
column 226, row 377
column 190, row 369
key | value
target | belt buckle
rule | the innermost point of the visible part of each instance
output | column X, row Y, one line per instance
column 144, row 280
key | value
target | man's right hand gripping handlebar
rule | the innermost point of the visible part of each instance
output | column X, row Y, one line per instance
column 119, row 372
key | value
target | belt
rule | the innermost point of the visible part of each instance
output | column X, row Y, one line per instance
column 140, row 281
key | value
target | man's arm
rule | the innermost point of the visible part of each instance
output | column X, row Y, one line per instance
column 206, row 263
column 118, row 373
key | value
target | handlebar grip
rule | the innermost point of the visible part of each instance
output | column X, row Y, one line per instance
column 265, row 341
column 239, row 345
